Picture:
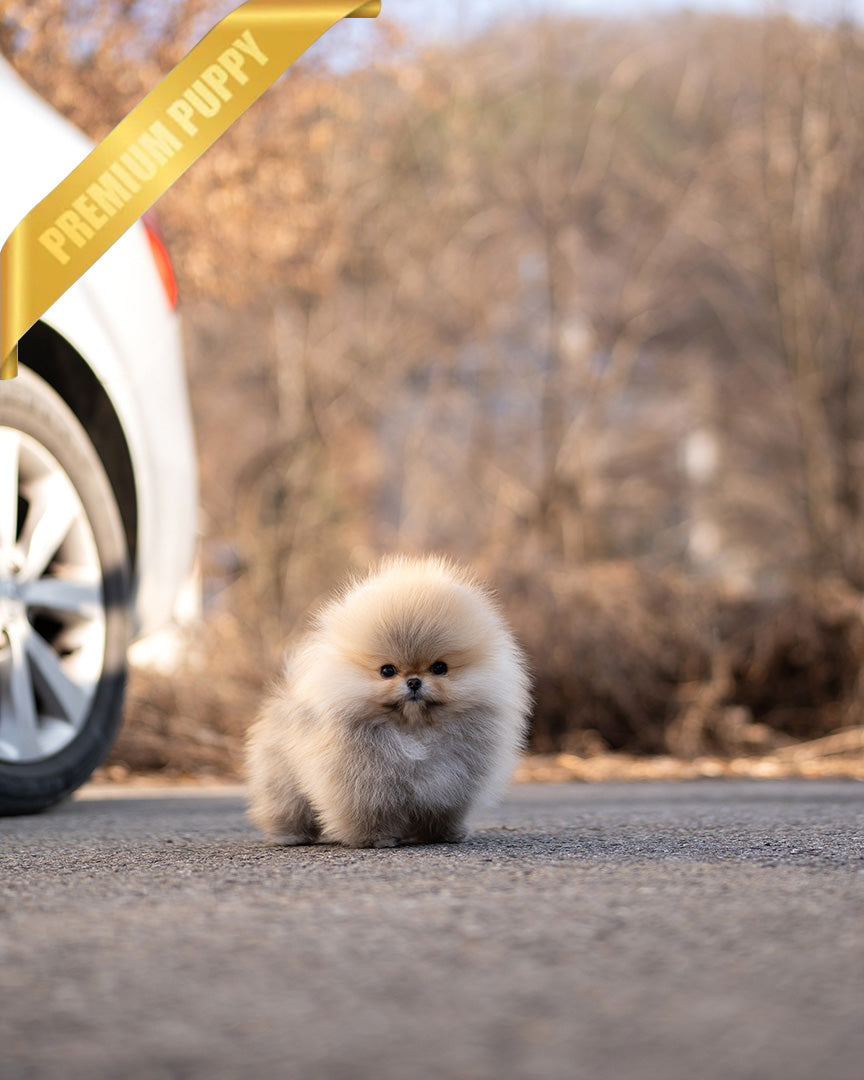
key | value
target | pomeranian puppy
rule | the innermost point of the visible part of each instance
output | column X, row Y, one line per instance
column 402, row 709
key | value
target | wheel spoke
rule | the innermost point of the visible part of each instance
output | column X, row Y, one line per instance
column 20, row 725
column 83, row 599
column 63, row 697
column 53, row 622
column 10, row 443
column 53, row 510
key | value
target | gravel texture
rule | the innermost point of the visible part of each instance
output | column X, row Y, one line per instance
column 692, row 931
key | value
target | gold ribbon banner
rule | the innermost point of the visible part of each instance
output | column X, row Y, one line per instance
column 126, row 173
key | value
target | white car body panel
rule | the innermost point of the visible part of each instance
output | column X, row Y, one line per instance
column 118, row 319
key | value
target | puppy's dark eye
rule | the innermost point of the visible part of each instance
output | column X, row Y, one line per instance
column 388, row 671
column 439, row 668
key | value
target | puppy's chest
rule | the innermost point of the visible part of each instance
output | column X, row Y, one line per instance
column 421, row 767
column 416, row 753
column 415, row 747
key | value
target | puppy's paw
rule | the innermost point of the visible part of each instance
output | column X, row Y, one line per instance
column 451, row 836
column 285, row 839
column 370, row 841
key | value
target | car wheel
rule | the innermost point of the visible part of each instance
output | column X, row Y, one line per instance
column 64, row 600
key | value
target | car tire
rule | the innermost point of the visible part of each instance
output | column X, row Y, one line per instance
column 64, row 600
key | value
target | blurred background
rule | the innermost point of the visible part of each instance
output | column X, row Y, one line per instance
column 570, row 291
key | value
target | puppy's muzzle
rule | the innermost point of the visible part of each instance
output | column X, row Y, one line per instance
column 415, row 688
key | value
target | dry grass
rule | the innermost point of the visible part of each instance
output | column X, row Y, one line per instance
column 813, row 760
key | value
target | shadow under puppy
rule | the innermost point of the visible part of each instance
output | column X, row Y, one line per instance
column 402, row 709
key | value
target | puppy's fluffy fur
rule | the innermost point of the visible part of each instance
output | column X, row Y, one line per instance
column 402, row 708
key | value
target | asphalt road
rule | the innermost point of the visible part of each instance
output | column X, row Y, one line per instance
column 700, row 931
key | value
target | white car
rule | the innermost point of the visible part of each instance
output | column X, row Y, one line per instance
column 98, row 490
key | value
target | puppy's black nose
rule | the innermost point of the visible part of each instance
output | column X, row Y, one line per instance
column 413, row 684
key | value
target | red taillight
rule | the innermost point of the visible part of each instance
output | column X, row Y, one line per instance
column 161, row 258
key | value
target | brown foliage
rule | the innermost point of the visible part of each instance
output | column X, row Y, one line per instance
column 610, row 647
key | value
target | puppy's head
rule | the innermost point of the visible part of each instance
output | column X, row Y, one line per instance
column 419, row 642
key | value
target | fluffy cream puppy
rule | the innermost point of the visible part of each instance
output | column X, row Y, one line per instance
column 403, row 707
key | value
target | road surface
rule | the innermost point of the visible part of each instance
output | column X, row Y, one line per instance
column 709, row 930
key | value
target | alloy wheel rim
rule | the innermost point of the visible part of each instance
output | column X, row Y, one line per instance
column 52, row 613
